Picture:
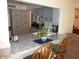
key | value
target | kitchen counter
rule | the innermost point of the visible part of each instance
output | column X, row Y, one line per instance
column 25, row 42
column 25, row 46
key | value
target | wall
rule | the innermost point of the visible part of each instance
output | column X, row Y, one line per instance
column 77, row 4
column 4, row 33
column 66, row 12
column 55, row 16
column 44, row 12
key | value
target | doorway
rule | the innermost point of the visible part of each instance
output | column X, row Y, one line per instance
column 76, row 21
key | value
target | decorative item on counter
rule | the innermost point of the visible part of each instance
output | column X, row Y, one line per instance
column 55, row 28
column 10, row 39
column 14, row 38
column 46, row 19
column 42, row 33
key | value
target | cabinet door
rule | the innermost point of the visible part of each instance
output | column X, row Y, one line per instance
column 25, row 22
column 20, row 21
column 15, row 21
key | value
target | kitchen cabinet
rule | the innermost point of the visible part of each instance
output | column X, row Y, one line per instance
column 20, row 21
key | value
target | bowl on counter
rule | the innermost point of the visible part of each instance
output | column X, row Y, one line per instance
column 44, row 38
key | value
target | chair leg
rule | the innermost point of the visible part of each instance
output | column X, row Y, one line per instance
column 62, row 56
column 59, row 56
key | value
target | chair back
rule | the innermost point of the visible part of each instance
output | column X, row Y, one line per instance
column 44, row 52
column 64, row 43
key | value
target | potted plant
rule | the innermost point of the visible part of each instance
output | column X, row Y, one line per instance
column 42, row 33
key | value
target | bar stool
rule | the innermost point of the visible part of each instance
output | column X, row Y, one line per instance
column 61, row 49
column 44, row 52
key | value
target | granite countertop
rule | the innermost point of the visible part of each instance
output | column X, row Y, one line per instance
column 26, row 43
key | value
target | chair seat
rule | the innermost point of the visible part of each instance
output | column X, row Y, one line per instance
column 58, row 49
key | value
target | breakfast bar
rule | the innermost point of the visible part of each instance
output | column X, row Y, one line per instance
column 25, row 46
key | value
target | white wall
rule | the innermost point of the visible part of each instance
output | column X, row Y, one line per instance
column 77, row 4
column 4, row 33
column 55, row 16
column 66, row 15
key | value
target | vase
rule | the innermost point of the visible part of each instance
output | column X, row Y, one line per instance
column 44, row 38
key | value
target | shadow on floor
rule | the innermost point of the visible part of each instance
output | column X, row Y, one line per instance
column 28, row 57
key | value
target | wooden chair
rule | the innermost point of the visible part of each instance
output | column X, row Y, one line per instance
column 61, row 49
column 44, row 52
